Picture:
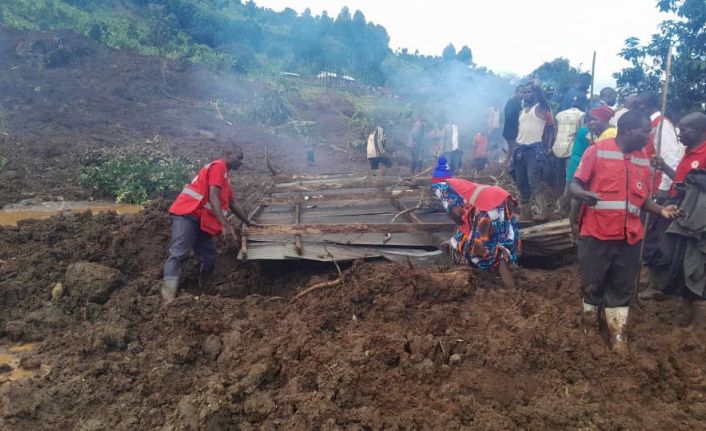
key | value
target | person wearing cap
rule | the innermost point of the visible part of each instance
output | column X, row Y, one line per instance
column 442, row 172
column 598, row 130
column 198, row 217
column 487, row 234
column 612, row 184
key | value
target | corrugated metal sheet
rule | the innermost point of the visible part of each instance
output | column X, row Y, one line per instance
column 341, row 209
column 329, row 253
column 375, row 239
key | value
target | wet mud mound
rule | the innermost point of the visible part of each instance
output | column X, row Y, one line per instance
column 392, row 347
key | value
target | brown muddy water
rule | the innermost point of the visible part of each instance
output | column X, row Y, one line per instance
column 10, row 360
column 11, row 214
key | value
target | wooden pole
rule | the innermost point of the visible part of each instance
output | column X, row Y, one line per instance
column 593, row 80
column 658, row 148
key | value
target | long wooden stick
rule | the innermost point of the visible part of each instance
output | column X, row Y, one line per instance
column 593, row 80
column 658, row 148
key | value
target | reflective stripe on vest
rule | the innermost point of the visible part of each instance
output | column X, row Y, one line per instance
column 194, row 194
column 210, row 208
column 475, row 194
column 617, row 155
column 617, row 206
column 607, row 154
column 640, row 161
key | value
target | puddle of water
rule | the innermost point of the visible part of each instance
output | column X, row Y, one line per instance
column 9, row 356
column 10, row 217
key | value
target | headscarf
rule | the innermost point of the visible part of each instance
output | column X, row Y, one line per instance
column 603, row 113
column 442, row 171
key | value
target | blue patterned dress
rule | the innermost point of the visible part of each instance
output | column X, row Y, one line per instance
column 494, row 234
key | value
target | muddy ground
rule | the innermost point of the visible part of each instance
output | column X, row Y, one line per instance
column 390, row 348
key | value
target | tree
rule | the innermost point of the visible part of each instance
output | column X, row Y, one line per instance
column 465, row 56
column 161, row 34
column 647, row 61
column 449, row 53
column 559, row 74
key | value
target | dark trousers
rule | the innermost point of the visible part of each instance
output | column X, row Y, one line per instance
column 417, row 157
column 455, row 159
column 375, row 162
column 527, row 164
column 560, row 173
column 608, row 271
column 186, row 236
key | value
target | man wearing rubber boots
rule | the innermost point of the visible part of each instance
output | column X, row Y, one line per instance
column 612, row 182
column 198, row 215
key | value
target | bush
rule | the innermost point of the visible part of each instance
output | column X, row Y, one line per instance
column 135, row 176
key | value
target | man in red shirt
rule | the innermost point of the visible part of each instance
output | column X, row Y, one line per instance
column 692, row 133
column 199, row 214
column 612, row 182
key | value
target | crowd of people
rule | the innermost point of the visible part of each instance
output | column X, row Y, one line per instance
column 632, row 185
column 624, row 178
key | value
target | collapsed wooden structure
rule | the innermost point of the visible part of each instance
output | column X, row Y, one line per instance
column 348, row 217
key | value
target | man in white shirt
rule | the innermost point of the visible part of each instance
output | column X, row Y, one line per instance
column 568, row 124
column 628, row 105
column 670, row 150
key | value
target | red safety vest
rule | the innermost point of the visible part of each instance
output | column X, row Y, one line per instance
column 193, row 200
column 622, row 182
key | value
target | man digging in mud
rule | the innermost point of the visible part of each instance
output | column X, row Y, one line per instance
column 612, row 182
column 195, row 223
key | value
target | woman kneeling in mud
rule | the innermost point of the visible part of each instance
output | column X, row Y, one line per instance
column 487, row 233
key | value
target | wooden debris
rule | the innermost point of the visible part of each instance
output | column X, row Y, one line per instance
column 317, row 286
column 409, row 211
column 316, row 229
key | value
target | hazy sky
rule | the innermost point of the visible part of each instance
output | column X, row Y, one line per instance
column 507, row 35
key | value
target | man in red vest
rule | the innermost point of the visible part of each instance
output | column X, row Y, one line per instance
column 612, row 182
column 198, row 215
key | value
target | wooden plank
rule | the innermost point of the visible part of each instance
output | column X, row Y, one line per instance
column 314, row 198
column 292, row 194
column 274, row 229
column 418, row 239
column 375, row 219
